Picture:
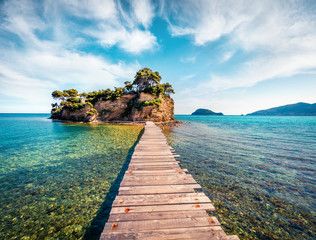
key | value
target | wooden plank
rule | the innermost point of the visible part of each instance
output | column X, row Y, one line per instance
column 133, row 161
column 153, row 154
column 159, row 166
column 154, row 163
column 205, row 232
column 131, row 178
column 162, row 196
column 119, row 202
column 153, row 151
column 154, row 182
column 157, row 199
column 140, row 176
column 163, row 171
column 160, row 149
column 155, row 147
column 158, row 189
column 121, row 217
column 132, row 165
column 153, row 168
column 136, row 226
column 159, row 152
column 158, row 156
column 162, row 188
column 153, row 140
column 157, row 172
column 147, row 142
column 161, row 208
column 153, row 158
column 145, row 159
column 156, row 178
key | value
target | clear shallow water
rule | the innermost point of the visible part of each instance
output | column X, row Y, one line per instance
column 258, row 171
column 54, row 177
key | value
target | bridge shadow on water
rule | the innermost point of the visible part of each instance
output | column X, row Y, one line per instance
column 93, row 232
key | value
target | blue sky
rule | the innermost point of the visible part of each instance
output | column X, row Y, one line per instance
column 235, row 57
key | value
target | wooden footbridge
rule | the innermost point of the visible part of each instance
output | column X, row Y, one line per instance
column 158, row 200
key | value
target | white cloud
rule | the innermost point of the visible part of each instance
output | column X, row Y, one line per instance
column 207, row 20
column 144, row 11
column 226, row 56
column 260, row 69
column 21, row 19
column 97, row 9
column 105, row 20
column 138, row 41
column 268, row 94
column 123, row 29
column 38, row 73
column 277, row 36
column 134, row 41
column 32, row 67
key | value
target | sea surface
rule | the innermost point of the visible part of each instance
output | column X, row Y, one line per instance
column 260, row 172
column 57, row 180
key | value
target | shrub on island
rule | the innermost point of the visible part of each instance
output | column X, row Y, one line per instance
column 145, row 81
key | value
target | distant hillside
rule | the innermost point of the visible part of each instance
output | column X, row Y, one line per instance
column 298, row 109
column 202, row 111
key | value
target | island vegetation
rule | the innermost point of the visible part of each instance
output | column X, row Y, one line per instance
column 146, row 98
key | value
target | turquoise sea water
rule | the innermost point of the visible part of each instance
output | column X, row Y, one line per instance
column 55, row 178
column 258, row 171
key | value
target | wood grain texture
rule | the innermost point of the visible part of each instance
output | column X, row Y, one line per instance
column 158, row 200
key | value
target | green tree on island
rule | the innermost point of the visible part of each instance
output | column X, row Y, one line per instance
column 145, row 81
column 148, row 81
column 145, row 78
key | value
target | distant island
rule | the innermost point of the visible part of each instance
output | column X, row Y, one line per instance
column 298, row 109
column 143, row 99
column 202, row 111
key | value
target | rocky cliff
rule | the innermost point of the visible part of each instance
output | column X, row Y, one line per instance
column 130, row 107
column 143, row 99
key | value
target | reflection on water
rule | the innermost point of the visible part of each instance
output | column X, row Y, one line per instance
column 258, row 171
column 54, row 177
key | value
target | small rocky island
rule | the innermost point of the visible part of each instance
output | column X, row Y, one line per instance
column 144, row 99
column 202, row 111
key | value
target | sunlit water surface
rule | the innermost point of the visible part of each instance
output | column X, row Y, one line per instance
column 258, row 171
column 54, row 177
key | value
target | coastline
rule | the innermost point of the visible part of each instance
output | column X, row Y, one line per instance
column 173, row 123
